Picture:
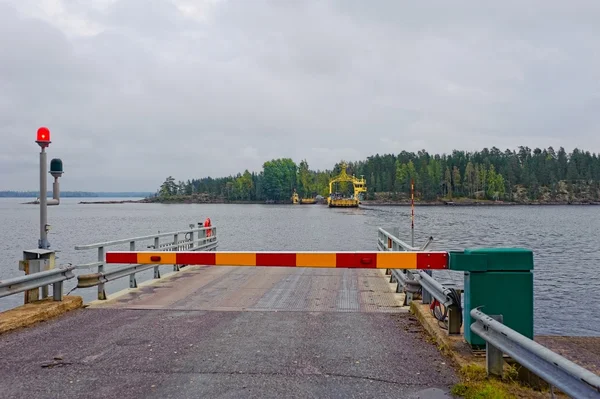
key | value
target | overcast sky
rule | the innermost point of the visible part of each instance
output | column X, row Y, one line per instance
column 136, row 90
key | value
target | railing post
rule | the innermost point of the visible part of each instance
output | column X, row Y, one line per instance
column 399, row 286
column 191, row 244
column 176, row 248
column 425, row 295
column 57, row 291
column 493, row 356
column 101, row 258
column 132, row 281
column 454, row 320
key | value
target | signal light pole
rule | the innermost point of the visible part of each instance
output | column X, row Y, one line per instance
column 56, row 169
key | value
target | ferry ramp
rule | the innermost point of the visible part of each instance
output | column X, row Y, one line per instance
column 229, row 332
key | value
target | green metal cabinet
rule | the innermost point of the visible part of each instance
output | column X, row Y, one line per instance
column 500, row 280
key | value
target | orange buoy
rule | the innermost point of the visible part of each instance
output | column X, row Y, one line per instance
column 208, row 224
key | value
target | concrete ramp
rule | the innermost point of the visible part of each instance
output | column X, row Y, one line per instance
column 219, row 332
column 265, row 289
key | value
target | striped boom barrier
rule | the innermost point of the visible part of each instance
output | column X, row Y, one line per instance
column 355, row 260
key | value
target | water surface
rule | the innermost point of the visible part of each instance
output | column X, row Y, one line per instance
column 564, row 239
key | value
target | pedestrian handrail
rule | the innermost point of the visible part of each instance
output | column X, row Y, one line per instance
column 388, row 242
column 142, row 238
column 194, row 239
column 54, row 277
column 556, row 370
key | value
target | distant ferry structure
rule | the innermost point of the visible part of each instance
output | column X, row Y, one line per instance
column 337, row 200
column 304, row 201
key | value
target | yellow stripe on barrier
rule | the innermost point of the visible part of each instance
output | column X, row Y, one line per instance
column 315, row 260
column 396, row 260
column 235, row 259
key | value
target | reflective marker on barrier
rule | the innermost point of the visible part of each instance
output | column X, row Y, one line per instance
column 354, row 260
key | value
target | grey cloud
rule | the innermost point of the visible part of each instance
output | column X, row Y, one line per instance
column 137, row 90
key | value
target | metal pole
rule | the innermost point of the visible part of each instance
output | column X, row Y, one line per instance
column 43, row 242
column 412, row 212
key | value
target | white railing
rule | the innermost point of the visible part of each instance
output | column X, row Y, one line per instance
column 192, row 239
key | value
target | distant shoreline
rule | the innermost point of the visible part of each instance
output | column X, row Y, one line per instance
column 462, row 203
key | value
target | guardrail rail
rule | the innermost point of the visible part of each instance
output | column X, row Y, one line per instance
column 500, row 339
column 194, row 239
column 557, row 371
column 54, row 277
column 422, row 282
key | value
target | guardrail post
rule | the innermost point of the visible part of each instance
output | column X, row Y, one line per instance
column 399, row 285
column 454, row 320
column 57, row 291
column 102, row 259
column 132, row 281
column 494, row 356
column 425, row 295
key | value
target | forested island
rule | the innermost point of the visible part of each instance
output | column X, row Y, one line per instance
column 522, row 176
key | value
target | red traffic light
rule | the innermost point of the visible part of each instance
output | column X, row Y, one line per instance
column 43, row 136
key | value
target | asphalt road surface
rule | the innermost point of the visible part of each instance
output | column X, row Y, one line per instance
column 218, row 332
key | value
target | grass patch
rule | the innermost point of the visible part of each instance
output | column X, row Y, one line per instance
column 476, row 385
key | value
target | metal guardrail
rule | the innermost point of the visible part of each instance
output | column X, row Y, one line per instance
column 54, row 277
column 194, row 239
column 557, row 371
column 448, row 297
column 413, row 282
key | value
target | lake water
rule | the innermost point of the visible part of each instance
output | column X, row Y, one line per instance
column 564, row 239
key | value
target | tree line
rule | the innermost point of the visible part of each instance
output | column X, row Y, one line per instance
column 487, row 174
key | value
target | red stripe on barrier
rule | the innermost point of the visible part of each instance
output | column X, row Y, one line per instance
column 344, row 260
column 121, row 257
column 432, row 260
column 356, row 260
column 198, row 258
column 275, row 259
